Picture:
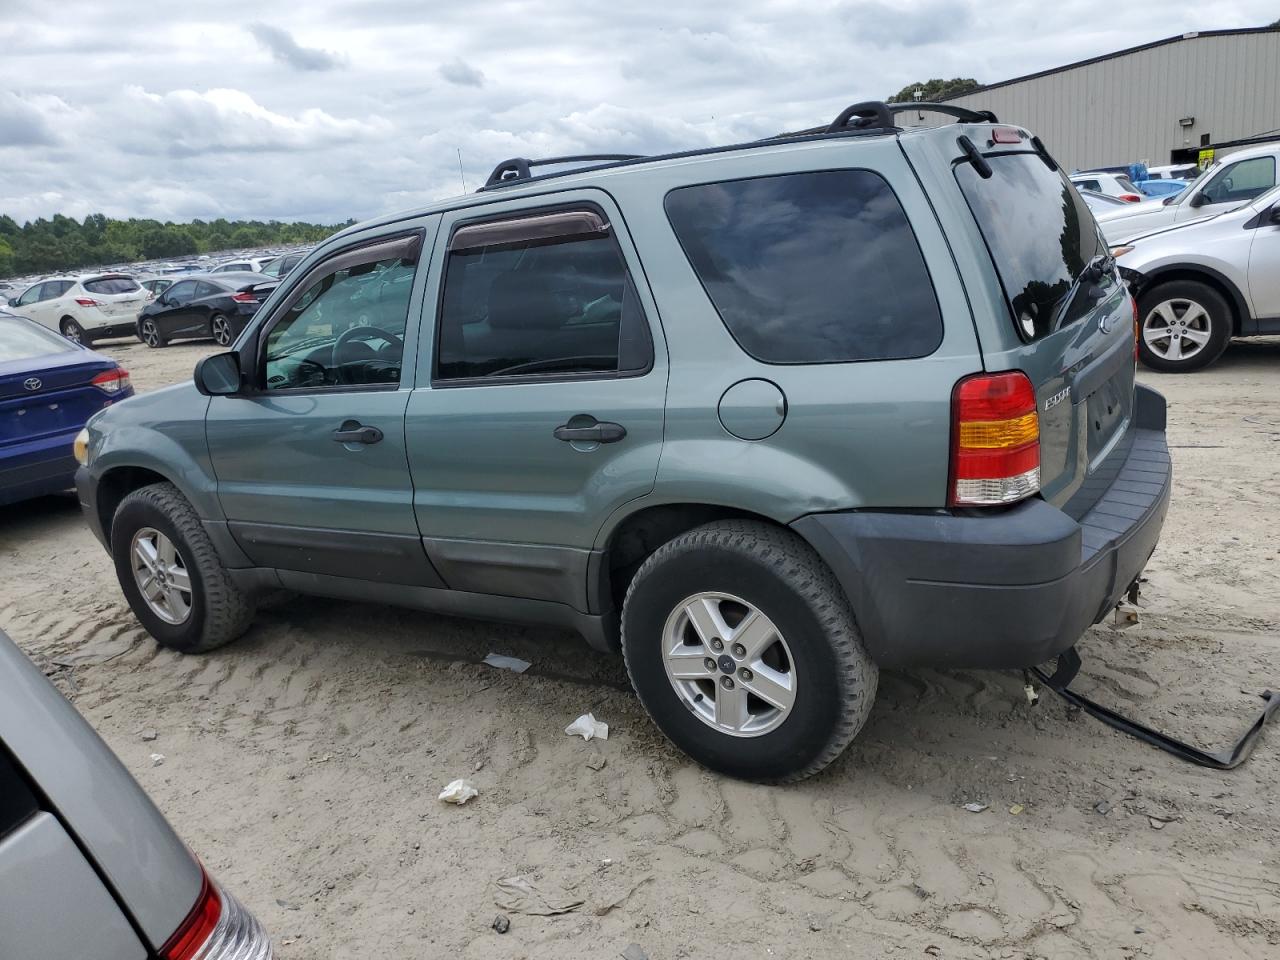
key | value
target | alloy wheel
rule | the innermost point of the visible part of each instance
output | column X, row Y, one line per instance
column 161, row 575
column 729, row 664
column 1177, row 329
column 221, row 331
column 150, row 335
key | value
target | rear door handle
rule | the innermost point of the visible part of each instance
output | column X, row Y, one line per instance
column 352, row 431
column 586, row 428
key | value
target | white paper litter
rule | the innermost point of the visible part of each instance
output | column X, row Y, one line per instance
column 503, row 662
column 459, row 792
column 976, row 807
column 157, row 759
column 587, row 727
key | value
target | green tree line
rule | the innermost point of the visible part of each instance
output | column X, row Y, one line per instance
column 63, row 243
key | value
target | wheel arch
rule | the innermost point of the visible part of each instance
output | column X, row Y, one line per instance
column 118, row 482
column 1199, row 273
column 636, row 535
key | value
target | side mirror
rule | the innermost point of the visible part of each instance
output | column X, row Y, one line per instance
column 1274, row 215
column 1199, row 200
column 219, row 375
column 13, row 301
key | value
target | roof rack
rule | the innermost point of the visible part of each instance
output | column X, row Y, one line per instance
column 960, row 113
column 520, row 168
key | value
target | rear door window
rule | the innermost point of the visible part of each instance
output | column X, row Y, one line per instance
column 540, row 296
column 1040, row 234
column 815, row 267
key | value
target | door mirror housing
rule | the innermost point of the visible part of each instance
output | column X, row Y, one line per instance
column 1199, row 200
column 1274, row 215
column 219, row 375
column 13, row 301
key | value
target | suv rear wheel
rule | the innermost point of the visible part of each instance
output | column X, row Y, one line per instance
column 72, row 330
column 743, row 648
column 171, row 574
column 1186, row 325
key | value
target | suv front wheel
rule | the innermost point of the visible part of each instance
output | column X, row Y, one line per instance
column 744, row 650
column 171, row 574
column 1186, row 325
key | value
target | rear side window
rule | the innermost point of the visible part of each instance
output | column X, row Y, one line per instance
column 810, row 267
column 109, row 285
column 1040, row 234
column 532, row 300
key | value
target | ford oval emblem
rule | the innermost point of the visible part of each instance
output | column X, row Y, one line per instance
column 32, row 383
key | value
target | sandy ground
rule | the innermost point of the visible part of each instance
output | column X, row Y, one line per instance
column 303, row 762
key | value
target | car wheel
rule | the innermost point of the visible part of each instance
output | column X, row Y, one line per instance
column 221, row 328
column 743, row 648
column 72, row 330
column 1186, row 325
column 171, row 574
column 149, row 334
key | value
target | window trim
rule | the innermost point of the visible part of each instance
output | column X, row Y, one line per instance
column 411, row 240
column 924, row 260
column 600, row 216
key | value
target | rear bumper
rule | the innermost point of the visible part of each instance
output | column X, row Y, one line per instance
column 1012, row 589
column 122, row 328
column 37, row 468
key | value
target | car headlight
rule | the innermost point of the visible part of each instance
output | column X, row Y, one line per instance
column 81, row 447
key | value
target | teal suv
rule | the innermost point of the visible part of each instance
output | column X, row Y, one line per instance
column 764, row 418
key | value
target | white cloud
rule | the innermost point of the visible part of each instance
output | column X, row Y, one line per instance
column 184, row 117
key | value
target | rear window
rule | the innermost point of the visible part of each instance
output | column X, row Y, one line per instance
column 1040, row 233
column 20, row 340
column 810, row 267
column 108, row 285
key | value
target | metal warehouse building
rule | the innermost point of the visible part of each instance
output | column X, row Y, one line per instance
column 1159, row 103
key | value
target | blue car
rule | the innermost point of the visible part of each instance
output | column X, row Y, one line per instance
column 49, row 387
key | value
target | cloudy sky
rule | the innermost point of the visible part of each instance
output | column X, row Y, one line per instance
column 331, row 110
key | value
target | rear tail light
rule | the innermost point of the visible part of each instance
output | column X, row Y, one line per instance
column 244, row 296
column 1130, row 197
column 217, row 928
column 995, row 440
column 87, row 302
column 112, row 381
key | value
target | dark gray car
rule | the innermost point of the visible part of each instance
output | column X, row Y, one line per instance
column 89, row 868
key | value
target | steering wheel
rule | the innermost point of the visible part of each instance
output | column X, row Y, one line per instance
column 351, row 335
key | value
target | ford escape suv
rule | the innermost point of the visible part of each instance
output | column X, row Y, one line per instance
column 764, row 418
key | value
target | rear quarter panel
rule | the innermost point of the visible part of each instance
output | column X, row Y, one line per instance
column 857, row 434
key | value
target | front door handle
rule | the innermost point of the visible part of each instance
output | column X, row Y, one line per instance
column 352, row 431
column 587, row 428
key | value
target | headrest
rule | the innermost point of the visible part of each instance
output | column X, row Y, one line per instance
column 523, row 301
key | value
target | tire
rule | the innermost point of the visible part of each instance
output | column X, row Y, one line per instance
column 73, row 331
column 149, row 333
column 220, row 328
column 219, row 612
column 1197, row 316
column 742, row 563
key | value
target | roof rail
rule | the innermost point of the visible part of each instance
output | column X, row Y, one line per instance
column 871, row 114
column 960, row 113
column 520, row 168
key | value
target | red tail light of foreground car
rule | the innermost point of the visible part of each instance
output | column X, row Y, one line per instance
column 218, row 928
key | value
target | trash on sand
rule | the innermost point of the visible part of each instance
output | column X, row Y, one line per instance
column 617, row 896
column 1103, row 807
column 1016, row 809
column 149, row 735
column 459, row 792
column 597, row 762
column 634, row 952
column 501, row 923
column 587, row 726
column 157, row 759
column 502, row 662
column 1158, row 823
column 522, row 895
column 976, row 807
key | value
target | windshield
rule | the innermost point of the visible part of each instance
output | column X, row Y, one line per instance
column 1041, row 237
